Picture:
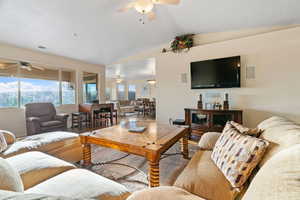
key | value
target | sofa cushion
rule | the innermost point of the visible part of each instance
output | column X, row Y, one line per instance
column 9, row 177
column 8, row 195
column 281, row 133
column 203, row 178
column 34, row 142
column 81, row 183
column 52, row 123
column 9, row 136
column 278, row 179
column 35, row 167
column 163, row 193
column 237, row 154
column 127, row 108
column 3, row 144
column 208, row 140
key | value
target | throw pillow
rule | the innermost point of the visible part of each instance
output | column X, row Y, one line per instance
column 255, row 132
column 236, row 154
column 208, row 140
column 9, row 177
column 9, row 136
column 3, row 144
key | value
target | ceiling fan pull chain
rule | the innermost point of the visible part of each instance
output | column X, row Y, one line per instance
column 142, row 19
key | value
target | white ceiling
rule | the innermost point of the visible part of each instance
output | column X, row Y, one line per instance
column 105, row 35
column 138, row 70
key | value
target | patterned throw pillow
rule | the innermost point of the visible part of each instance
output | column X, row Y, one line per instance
column 255, row 132
column 3, row 144
column 236, row 154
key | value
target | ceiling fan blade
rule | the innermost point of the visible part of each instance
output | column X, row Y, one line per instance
column 7, row 65
column 151, row 15
column 127, row 7
column 38, row 67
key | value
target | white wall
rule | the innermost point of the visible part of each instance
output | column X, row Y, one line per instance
column 140, row 86
column 274, row 52
column 13, row 119
column 274, row 91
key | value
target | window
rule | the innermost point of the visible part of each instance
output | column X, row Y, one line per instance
column 68, row 79
column 131, row 92
column 145, row 90
column 8, row 85
column 27, row 83
column 36, row 90
column 121, row 91
column 90, row 87
column 8, row 92
column 39, row 85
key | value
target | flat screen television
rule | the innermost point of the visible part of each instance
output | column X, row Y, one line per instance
column 216, row 73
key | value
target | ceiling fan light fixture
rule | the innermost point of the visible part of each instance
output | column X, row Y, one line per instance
column 119, row 80
column 151, row 82
column 144, row 6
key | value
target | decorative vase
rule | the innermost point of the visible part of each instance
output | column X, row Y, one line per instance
column 200, row 104
column 226, row 102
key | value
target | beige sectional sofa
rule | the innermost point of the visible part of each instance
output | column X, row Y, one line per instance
column 43, row 175
column 60, row 144
column 276, row 178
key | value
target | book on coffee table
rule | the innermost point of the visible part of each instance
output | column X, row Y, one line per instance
column 139, row 129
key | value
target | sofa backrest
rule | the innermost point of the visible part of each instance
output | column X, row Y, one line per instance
column 278, row 179
column 10, row 179
column 124, row 102
column 45, row 111
column 281, row 133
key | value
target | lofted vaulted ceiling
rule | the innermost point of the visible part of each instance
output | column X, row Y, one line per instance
column 137, row 70
column 93, row 30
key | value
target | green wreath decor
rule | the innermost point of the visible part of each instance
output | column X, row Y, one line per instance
column 182, row 42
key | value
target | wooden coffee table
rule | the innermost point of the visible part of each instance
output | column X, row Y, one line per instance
column 151, row 144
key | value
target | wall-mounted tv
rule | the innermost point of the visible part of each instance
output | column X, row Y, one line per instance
column 216, row 73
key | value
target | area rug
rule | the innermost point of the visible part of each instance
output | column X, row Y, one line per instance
column 131, row 170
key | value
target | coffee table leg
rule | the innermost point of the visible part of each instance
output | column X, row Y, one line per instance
column 184, row 147
column 154, row 174
column 87, row 155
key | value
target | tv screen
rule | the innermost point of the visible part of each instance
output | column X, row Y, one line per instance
column 217, row 73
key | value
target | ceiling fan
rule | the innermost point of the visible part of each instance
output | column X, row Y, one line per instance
column 23, row 65
column 119, row 79
column 145, row 7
